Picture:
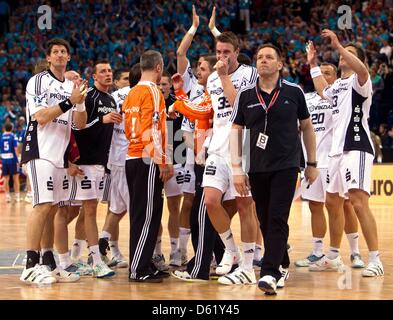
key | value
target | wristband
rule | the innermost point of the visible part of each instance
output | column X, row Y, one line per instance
column 315, row 72
column 215, row 32
column 80, row 107
column 65, row 105
column 192, row 30
column 312, row 164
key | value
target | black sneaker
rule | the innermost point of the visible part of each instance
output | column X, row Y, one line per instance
column 161, row 274
column 103, row 245
column 151, row 278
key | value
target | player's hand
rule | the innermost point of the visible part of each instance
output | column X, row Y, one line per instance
column 311, row 54
column 222, row 67
column 166, row 172
column 200, row 157
column 73, row 170
column 242, row 184
column 113, row 117
column 178, row 81
column 212, row 21
column 195, row 17
column 78, row 93
column 311, row 174
column 326, row 33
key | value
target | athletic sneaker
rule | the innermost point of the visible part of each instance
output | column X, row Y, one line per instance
column 104, row 259
column 228, row 260
column 324, row 264
column 356, row 261
column 239, row 276
column 64, row 276
column 284, row 277
column 268, row 284
column 373, row 269
column 307, row 261
column 81, row 268
column 8, row 198
column 101, row 270
column 152, row 278
column 175, row 259
column 185, row 276
column 159, row 262
column 38, row 274
column 28, row 197
column 118, row 262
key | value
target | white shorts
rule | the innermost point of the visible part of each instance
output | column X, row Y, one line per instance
column 218, row 175
column 316, row 191
column 173, row 187
column 189, row 179
column 119, row 195
column 351, row 170
column 106, row 195
column 70, row 204
column 91, row 184
column 49, row 184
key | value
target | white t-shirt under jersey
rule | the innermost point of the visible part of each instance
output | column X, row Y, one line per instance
column 242, row 77
column 49, row 141
column 119, row 144
column 321, row 117
column 351, row 107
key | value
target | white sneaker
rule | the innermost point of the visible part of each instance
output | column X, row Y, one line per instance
column 64, row 276
column 101, row 270
column 8, row 198
column 37, row 275
column 307, row 261
column 159, row 262
column 324, row 264
column 175, row 259
column 81, row 268
column 118, row 262
column 239, row 276
column 356, row 261
column 29, row 197
column 185, row 276
column 373, row 269
column 284, row 277
column 268, row 284
column 228, row 260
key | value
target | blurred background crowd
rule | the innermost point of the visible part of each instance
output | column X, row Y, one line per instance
column 121, row 30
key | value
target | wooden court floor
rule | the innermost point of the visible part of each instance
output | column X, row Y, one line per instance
column 301, row 284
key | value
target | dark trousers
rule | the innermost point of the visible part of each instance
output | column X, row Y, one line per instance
column 145, row 188
column 273, row 194
column 204, row 237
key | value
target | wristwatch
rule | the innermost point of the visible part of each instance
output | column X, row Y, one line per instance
column 312, row 164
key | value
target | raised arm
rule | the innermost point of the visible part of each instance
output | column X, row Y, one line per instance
column 186, row 43
column 319, row 81
column 212, row 24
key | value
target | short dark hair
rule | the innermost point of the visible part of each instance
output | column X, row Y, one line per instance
column 117, row 74
column 102, row 61
column 361, row 54
column 330, row 65
column 8, row 127
column 57, row 42
column 211, row 60
column 242, row 58
column 135, row 74
column 150, row 59
column 275, row 48
column 166, row 74
column 228, row 37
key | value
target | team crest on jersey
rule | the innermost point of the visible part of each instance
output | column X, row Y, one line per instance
column 38, row 99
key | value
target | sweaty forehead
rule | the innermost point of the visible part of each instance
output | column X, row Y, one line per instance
column 224, row 46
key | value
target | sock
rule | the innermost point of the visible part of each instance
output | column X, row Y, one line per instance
column 373, row 256
column 157, row 248
column 174, row 245
column 105, row 234
column 184, row 235
column 353, row 239
column 229, row 241
column 248, row 255
column 258, row 252
column 76, row 249
column 33, row 258
column 48, row 259
column 318, row 246
column 95, row 254
column 65, row 260
column 333, row 253
column 114, row 245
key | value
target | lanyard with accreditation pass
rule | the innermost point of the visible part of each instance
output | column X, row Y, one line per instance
column 262, row 139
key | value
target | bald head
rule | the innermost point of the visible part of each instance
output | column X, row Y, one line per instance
column 73, row 76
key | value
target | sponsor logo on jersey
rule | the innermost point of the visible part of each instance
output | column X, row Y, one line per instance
column 106, row 109
column 217, row 91
column 58, row 96
column 224, row 114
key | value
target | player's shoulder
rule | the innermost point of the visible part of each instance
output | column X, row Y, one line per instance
column 292, row 86
column 311, row 95
column 212, row 78
column 38, row 80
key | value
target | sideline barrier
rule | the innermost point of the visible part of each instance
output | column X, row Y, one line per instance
column 382, row 184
